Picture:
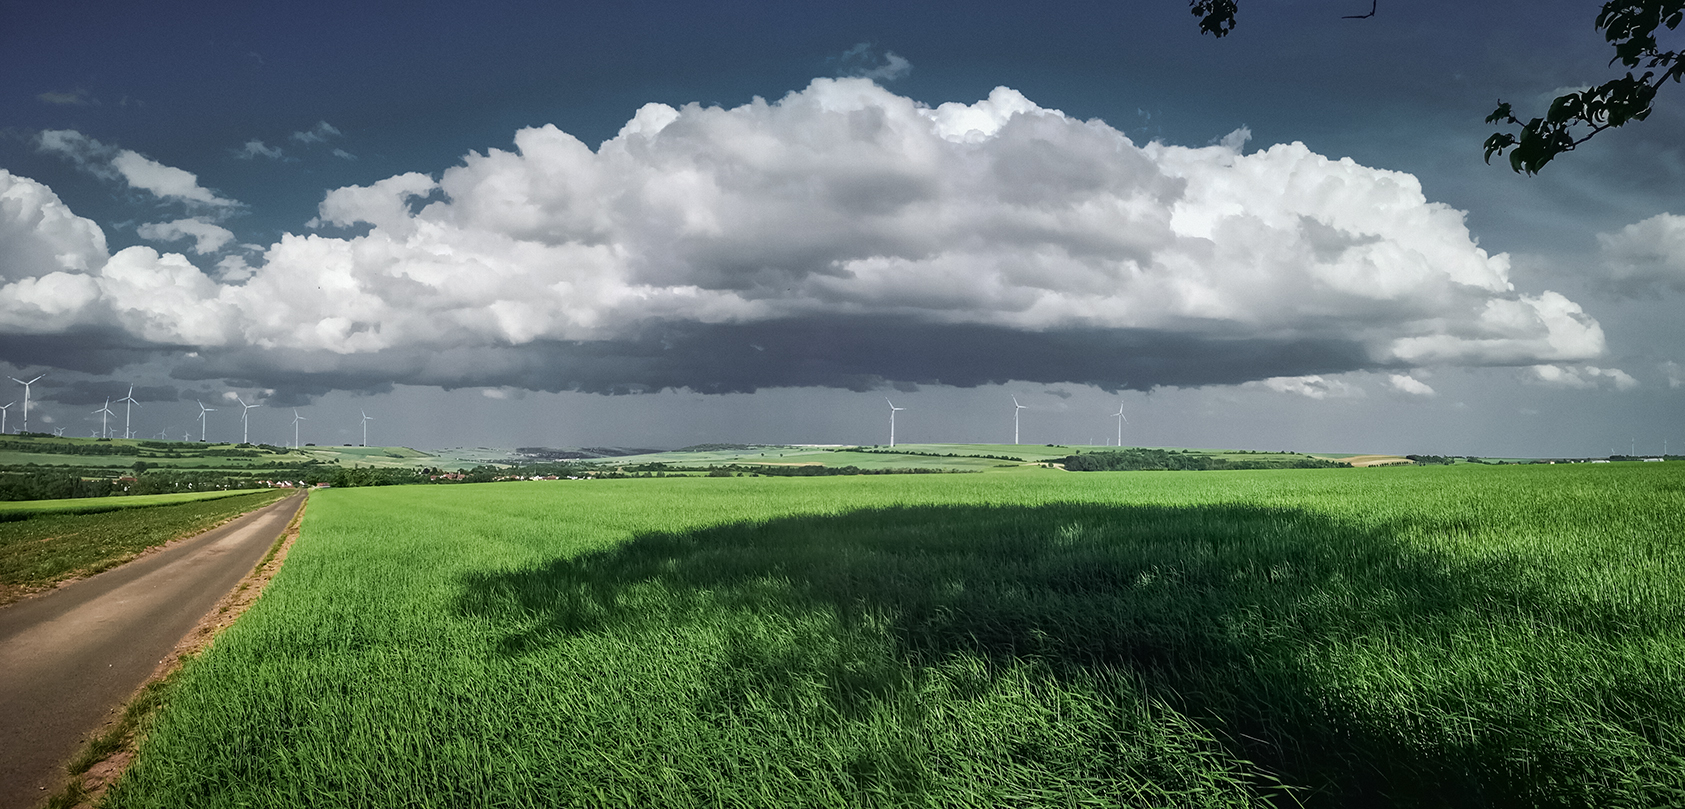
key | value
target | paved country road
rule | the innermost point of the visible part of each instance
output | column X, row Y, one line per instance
column 68, row 657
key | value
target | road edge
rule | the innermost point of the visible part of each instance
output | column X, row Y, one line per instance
column 104, row 758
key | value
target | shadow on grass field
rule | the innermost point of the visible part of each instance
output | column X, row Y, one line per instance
column 1213, row 650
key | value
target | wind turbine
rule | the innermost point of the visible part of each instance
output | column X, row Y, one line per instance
column 202, row 411
column 245, row 428
column 1015, row 419
column 296, row 419
column 26, row 398
column 102, row 413
column 58, row 432
column 892, row 409
column 3, row 416
column 1121, row 418
column 366, row 419
column 131, row 402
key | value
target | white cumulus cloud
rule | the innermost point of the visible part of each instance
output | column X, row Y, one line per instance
column 1314, row 386
column 1405, row 383
column 165, row 182
column 133, row 168
column 208, row 237
column 842, row 213
column 1583, row 377
column 317, row 134
column 1646, row 254
column 257, row 148
column 863, row 61
column 1675, row 374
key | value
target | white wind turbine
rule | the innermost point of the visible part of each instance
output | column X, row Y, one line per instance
column 202, row 411
column 1121, row 418
column 1017, row 407
column 296, row 419
column 102, row 413
column 26, row 398
column 3, row 416
column 245, row 425
column 892, row 409
column 131, row 402
column 58, row 432
column 366, row 419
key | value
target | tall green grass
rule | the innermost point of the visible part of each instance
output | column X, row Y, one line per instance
column 1460, row 636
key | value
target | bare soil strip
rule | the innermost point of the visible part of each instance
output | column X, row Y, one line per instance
column 70, row 658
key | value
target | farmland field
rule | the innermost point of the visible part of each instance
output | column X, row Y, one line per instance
column 1464, row 636
column 43, row 545
column 22, row 509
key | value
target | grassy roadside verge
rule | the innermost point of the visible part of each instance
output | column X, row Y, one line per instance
column 107, row 756
column 39, row 552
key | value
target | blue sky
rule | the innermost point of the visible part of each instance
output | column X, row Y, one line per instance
column 1205, row 282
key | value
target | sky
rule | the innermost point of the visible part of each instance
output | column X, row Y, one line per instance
column 664, row 224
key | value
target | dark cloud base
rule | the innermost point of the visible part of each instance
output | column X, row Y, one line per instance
column 864, row 353
column 90, row 351
column 87, row 392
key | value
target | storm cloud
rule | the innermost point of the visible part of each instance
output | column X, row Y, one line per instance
column 842, row 236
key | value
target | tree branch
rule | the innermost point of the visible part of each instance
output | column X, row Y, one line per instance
column 1372, row 4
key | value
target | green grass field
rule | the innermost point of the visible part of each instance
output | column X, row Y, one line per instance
column 46, row 547
column 24, row 509
column 1437, row 636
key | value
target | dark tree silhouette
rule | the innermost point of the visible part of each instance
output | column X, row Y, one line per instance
column 1630, row 26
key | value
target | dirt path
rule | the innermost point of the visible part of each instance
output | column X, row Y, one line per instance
column 68, row 658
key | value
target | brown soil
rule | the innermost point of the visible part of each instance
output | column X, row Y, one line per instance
column 103, row 773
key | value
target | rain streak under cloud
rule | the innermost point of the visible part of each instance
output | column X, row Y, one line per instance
column 842, row 236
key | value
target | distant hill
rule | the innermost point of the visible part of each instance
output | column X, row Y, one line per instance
column 580, row 454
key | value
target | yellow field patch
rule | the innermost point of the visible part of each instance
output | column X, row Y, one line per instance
column 1375, row 460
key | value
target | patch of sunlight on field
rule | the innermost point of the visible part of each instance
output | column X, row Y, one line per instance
column 1450, row 636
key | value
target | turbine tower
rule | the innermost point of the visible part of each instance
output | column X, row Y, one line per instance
column 245, row 425
column 1017, row 407
column 366, row 419
column 202, row 411
column 102, row 413
column 296, row 419
column 26, row 398
column 3, row 416
column 1121, row 418
column 892, row 409
column 131, row 402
